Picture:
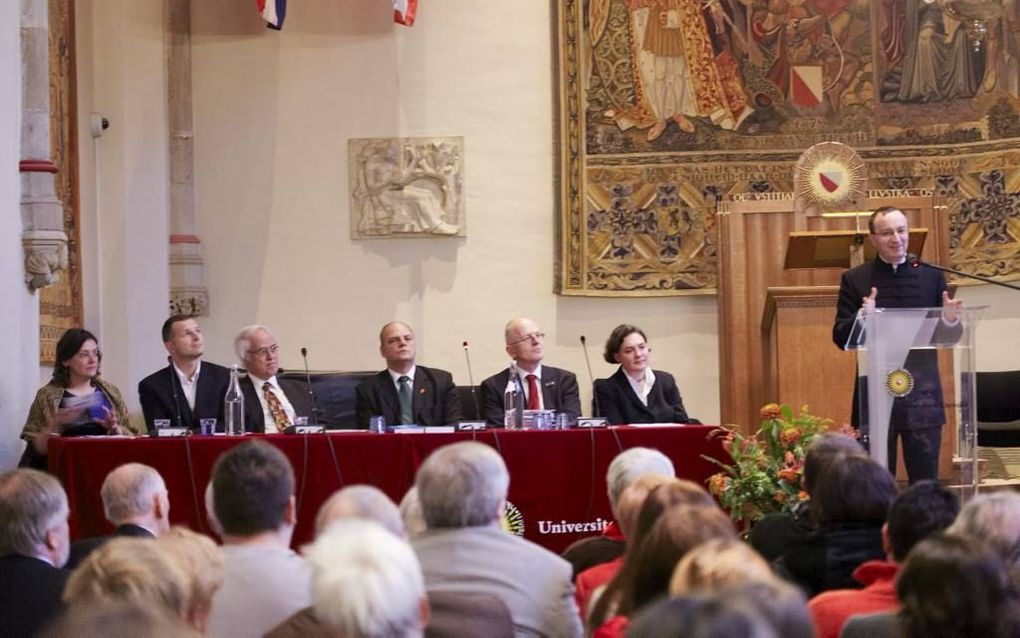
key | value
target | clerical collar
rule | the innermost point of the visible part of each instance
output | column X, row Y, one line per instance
column 892, row 265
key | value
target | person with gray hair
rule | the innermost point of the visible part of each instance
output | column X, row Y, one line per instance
column 135, row 501
column 410, row 513
column 271, row 404
column 363, row 502
column 366, row 582
column 463, row 490
column 995, row 519
column 33, row 547
column 627, row 467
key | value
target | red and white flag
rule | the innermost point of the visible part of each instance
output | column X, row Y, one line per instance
column 404, row 10
column 273, row 12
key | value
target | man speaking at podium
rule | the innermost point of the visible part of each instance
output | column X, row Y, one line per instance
column 890, row 282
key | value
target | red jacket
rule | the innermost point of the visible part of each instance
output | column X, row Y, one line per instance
column 831, row 609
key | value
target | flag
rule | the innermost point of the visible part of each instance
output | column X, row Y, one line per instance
column 273, row 12
column 404, row 10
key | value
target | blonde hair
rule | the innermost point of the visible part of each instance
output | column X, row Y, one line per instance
column 129, row 569
column 716, row 565
column 201, row 562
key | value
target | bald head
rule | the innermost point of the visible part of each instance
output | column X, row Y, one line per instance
column 136, row 494
column 525, row 342
column 360, row 502
column 397, row 345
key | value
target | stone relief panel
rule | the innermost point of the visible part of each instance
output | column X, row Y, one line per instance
column 407, row 187
column 668, row 106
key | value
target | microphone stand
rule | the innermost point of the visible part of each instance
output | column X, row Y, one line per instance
column 591, row 378
column 308, row 382
column 174, row 381
column 915, row 262
column 471, row 380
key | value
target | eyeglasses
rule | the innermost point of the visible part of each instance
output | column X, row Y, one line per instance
column 534, row 336
column 264, row 352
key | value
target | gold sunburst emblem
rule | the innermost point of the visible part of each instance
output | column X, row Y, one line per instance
column 830, row 175
column 899, row 383
column 513, row 520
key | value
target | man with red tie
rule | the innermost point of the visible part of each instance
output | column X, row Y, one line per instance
column 545, row 387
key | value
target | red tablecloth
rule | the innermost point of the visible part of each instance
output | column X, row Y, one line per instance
column 557, row 478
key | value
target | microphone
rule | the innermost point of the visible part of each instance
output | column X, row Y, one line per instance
column 173, row 389
column 591, row 377
column 915, row 261
column 471, row 380
column 308, row 382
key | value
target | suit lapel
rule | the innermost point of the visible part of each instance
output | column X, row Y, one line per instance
column 388, row 398
column 550, row 389
column 254, row 413
column 632, row 396
column 419, row 394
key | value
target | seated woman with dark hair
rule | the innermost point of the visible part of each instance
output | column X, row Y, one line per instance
column 75, row 401
column 636, row 393
column 848, row 508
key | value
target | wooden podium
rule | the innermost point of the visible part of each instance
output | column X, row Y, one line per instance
column 775, row 322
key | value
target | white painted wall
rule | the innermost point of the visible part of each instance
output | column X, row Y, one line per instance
column 19, row 322
column 273, row 113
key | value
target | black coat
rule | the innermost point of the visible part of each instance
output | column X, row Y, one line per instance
column 434, row 399
column 30, row 591
column 296, row 392
column 156, row 393
column 559, row 392
column 81, row 549
column 618, row 403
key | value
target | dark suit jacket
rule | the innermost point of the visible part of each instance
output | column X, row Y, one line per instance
column 156, row 394
column 30, row 591
column 81, row 549
column 619, row 404
column 434, row 399
column 906, row 287
column 559, row 392
column 296, row 392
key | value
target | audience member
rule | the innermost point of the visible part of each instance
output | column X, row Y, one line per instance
column 780, row 604
column 922, row 509
column 201, row 560
column 135, row 501
column 463, row 489
column 956, row 586
column 366, row 582
column 545, row 387
column 365, row 502
column 270, row 404
column 264, row 580
column 648, row 568
column 120, row 619
column 75, row 401
column 636, row 393
column 994, row 519
column 592, row 580
column 849, row 507
column 717, row 564
column 33, row 548
column 701, row 617
column 411, row 514
column 187, row 389
column 406, row 393
column 775, row 533
column 623, row 470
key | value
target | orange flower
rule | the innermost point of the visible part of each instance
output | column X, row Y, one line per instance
column 771, row 411
column 849, row 430
column 788, row 474
column 789, row 436
column 802, row 495
column 727, row 443
column 718, row 484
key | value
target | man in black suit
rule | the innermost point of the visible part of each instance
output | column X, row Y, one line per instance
column 545, row 387
column 135, row 501
column 270, row 404
column 405, row 393
column 889, row 282
column 33, row 548
column 188, row 389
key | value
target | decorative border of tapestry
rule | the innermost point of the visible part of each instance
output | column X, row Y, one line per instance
column 667, row 107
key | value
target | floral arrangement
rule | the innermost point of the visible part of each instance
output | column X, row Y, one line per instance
column 767, row 466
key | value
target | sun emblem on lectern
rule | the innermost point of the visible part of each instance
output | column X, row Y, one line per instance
column 899, row 383
column 513, row 520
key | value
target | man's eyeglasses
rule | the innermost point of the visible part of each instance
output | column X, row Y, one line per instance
column 264, row 352
column 534, row 336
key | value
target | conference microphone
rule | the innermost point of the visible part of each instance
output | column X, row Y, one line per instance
column 471, row 380
column 915, row 262
column 591, row 377
column 308, row 382
column 174, row 381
